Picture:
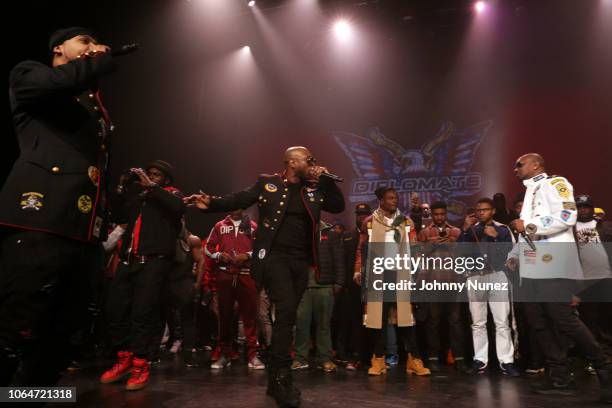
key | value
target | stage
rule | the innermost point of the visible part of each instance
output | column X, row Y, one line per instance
column 174, row 385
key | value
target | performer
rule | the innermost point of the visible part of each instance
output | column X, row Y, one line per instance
column 549, row 274
column 147, row 254
column 290, row 206
column 52, row 206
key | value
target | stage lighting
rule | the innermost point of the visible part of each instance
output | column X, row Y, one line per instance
column 251, row 3
column 342, row 29
column 480, row 6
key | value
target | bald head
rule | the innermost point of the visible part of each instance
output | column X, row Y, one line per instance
column 296, row 152
column 529, row 165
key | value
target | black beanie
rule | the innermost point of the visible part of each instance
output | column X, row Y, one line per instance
column 63, row 34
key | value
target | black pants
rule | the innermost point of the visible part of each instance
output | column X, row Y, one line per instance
column 285, row 279
column 134, row 305
column 405, row 335
column 347, row 325
column 435, row 312
column 45, row 288
column 555, row 323
column 182, row 298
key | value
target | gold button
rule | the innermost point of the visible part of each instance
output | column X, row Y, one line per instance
column 286, row 189
column 265, row 201
column 284, row 195
column 96, row 108
column 275, row 220
column 91, row 95
column 55, row 169
column 103, row 147
column 278, row 212
column 271, row 228
column 321, row 200
column 78, row 99
column 281, row 203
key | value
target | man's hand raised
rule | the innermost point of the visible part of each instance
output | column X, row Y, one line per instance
column 201, row 201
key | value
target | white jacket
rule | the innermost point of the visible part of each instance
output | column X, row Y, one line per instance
column 549, row 213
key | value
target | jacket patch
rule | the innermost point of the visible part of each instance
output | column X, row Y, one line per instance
column 31, row 201
column 84, row 204
column 562, row 190
column 569, row 205
column 546, row 221
column 271, row 187
column 565, row 215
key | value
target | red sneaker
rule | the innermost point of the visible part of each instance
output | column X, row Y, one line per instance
column 140, row 374
column 216, row 354
column 120, row 369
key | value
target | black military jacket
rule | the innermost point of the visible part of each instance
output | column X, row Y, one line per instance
column 270, row 194
column 58, row 183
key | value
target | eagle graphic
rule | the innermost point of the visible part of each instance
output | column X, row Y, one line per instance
column 450, row 152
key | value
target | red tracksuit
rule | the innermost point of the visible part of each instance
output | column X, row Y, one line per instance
column 234, row 283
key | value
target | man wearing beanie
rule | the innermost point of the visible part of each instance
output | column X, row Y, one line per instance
column 148, row 250
column 52, row 205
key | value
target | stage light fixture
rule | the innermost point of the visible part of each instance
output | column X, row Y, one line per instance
column 342, row 29
column 480, row 6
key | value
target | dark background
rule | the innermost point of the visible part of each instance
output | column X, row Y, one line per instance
column 540, row 70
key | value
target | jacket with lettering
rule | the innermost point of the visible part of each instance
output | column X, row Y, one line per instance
column 223, row 238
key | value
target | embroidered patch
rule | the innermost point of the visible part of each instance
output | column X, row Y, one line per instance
column 556, row 180
column 94, row 175
column 531, row 228
column 538, row 178
column 31, row 201
column 569, row 205
column 84, row 204
column 565, row 215
column 546, row 258
column 562, row 190
column 546, row 221
column 270, row 187
column 261, row 254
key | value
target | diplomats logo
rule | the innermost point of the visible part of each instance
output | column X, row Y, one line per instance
column 440, row 170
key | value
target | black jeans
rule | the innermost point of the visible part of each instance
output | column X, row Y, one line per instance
column 285, row 279
column 134, row 305
column 45, row 288
column 435, row 311
column 555, row 323
column 347, row 320
column 405, row 335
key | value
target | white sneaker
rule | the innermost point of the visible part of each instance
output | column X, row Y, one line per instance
column 176, row 346
column 222, row 362
column 256, row 364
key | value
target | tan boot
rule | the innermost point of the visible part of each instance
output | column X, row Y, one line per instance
column 415, row 366
column 378, row 366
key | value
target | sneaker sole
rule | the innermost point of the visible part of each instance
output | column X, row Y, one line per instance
column 135, row 387
column 415, row 373
column 115, row 379
column 252, row 367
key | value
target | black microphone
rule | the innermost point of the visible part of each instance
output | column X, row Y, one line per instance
column 528, row 240
column 332, row 176
column 125, row 50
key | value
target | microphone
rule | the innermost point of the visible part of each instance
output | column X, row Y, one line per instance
column 332, row 176
column 528, row 240
column 125, row 49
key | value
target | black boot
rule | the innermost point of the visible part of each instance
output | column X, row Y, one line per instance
column 605, row 384
column 280, row 386
column 553, row 386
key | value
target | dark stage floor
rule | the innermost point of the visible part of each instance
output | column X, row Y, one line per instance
column 173, row 385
